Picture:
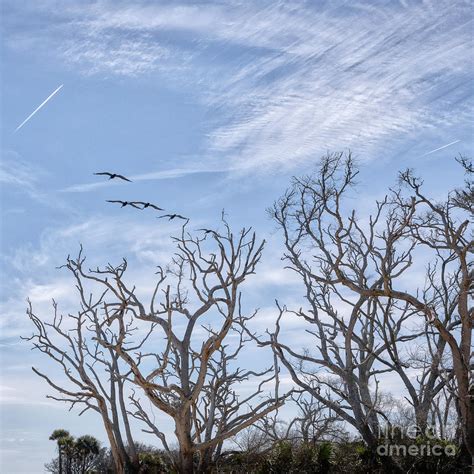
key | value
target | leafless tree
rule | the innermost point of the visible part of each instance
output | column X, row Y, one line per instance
column 444, row 416
column 90, row 377
column 253, row 440
column 313, row 423
column 220, row 408
column 464, row 197
column 445, row 231
column 342, row 366
column 191, row 375
column 365, row 264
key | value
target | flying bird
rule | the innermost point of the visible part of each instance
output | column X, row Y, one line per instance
column 148, row 204
column 173, row 216
column 207, row 231
column 113, row 175
column 39, row 107
column 125, row 203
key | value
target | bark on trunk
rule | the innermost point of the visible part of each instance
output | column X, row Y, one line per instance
column 205, row 461
column 119, row 457
column 186, row 462
column 468, row 427
column 421, row 415
column 390, row 466
column 60, row 460
column 183, row 433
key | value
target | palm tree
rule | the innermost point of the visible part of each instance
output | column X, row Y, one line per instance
column 86, row 447
column 68, row 447
column 60, row 435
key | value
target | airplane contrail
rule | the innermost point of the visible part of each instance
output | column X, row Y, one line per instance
column 39, row 107
column 441, row 147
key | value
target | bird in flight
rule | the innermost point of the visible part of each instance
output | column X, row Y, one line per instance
column 173, row 216
column 147, row 204
column 112, row 175
column 207, row 231
column 125, row 203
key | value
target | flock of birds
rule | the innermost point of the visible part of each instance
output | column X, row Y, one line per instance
column 138, row 204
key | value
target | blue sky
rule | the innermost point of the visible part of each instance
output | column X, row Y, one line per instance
column 207, row 106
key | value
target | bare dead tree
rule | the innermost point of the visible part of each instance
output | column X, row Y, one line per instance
column 444, row 416
column 335, row 252
column 220, row 408
column 344, row 361
column 419, row 349
column 252, row 441
column 313, row 423
column 190, row 377
column 90, row 377
column 445, row 231
column 464, row 197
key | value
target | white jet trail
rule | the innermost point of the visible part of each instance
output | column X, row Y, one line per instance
column 441, row 148
column 39, row 107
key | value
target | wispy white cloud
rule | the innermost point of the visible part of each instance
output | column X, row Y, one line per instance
column 17, row 172
column 17, row 395
column 291, row 81
column 28, row 178
column 145, row 244
column 346, row 81
column 110, row 237
column 152, row 176
column 23, row 175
